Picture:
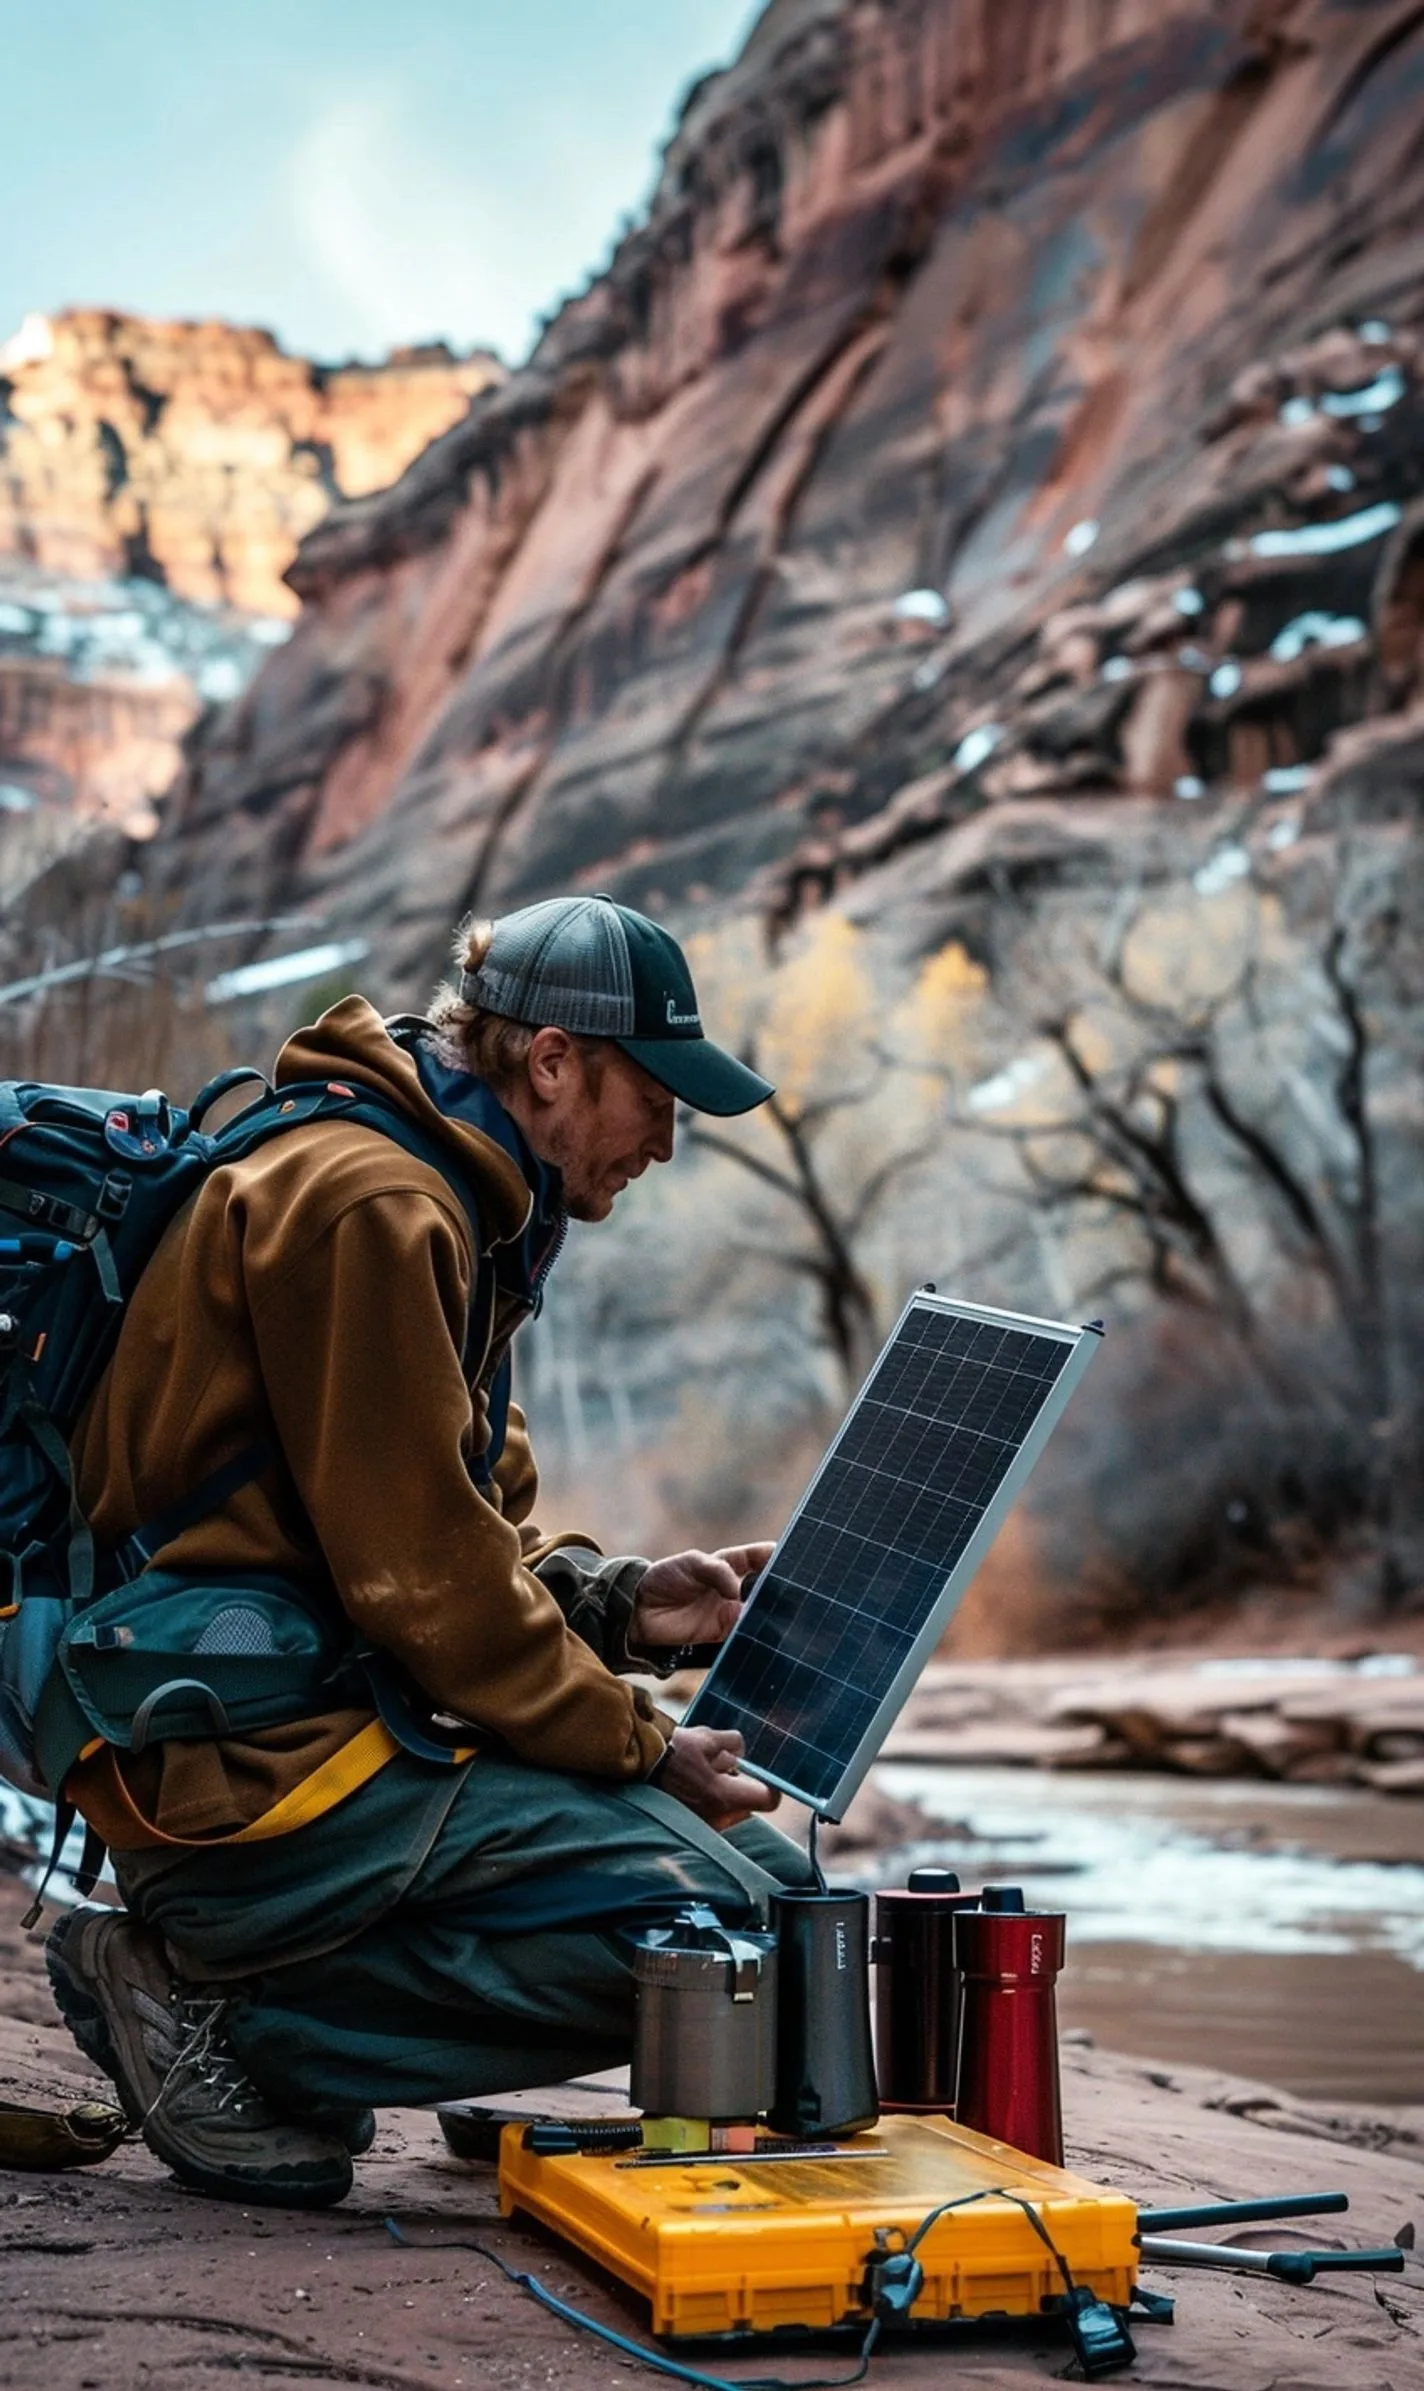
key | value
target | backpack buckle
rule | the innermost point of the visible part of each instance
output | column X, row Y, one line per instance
column 51, row 1212
column 114, row 1195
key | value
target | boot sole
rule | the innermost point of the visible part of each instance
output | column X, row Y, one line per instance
column 260, row 2191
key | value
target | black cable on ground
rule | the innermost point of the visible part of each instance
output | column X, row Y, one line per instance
column 635, row 2349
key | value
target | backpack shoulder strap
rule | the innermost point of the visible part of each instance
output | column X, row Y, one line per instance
column 377, row 1112
column 302, row 1101
column 209, row 1495
column 397, row 1125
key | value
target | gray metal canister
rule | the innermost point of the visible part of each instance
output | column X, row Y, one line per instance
column 704, row 2042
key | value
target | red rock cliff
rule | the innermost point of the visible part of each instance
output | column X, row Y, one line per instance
column 981, row 510
column 155, row 479
column 948, row 317
column 199, row 454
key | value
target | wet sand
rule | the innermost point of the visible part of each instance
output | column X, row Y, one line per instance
column 1342, row 2029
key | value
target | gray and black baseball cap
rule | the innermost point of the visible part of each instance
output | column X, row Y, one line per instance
column 599, row 970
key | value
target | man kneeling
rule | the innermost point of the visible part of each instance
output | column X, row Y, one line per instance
column 427, row 1891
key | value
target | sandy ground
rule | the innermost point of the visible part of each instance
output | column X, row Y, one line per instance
column 115, row 2280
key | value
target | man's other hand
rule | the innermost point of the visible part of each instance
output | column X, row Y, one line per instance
column 701, row 1770
column 694, row 1597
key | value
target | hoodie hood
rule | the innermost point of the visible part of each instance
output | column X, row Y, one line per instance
column 352, row 1043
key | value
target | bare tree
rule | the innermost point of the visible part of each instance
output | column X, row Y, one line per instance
column 1121, row 1144
column 832, row 1227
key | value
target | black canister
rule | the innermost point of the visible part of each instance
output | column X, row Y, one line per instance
column 825, row 2068
column 917, row 1991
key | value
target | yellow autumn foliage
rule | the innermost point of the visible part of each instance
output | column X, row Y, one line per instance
column 933, row 1029
column 821, row 1014
column 729, row 969
column 942, row 998
column 1184, row 955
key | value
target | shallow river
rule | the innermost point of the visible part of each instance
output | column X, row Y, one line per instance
column 1276, row 1931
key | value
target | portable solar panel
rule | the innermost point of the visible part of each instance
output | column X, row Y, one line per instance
column 915, row 1486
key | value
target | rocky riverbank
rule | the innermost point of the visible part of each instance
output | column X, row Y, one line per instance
column 1321, row 1722
column 113, row 2276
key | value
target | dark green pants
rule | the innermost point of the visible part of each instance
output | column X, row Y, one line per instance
column 447, row 1933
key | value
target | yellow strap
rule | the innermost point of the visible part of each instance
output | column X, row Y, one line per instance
column 326, row 1786
column 355, row 1762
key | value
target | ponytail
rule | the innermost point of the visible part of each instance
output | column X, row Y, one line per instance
column 486, row 1043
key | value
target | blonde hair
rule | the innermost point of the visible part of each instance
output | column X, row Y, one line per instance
column 493, row 1047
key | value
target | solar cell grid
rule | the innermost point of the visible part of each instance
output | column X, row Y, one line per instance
column 955, row 1408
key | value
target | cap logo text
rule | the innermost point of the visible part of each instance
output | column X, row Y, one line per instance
column 678, row 1020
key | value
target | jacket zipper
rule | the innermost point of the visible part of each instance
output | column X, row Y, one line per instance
column 550, row 1255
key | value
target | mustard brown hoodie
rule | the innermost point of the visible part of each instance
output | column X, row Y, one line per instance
column 315, row 1295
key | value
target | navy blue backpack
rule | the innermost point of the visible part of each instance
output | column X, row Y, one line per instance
column 89, row 1181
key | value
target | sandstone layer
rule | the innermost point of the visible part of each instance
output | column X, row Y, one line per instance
column 99, row 682
column 155, row 480
column 199, row 454
column 1310, row 1723
column 989, row 392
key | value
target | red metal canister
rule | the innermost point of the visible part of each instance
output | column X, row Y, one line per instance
column 1009, row 1959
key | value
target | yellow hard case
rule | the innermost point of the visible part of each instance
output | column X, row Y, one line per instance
column 721, row 2245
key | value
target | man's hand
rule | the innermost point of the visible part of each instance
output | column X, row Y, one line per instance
column 694, row 1597
column 701, row 1770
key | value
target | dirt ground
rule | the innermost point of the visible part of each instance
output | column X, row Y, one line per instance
column 116, row 2280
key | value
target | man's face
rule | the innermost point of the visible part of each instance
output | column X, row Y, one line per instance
column 598, row 1117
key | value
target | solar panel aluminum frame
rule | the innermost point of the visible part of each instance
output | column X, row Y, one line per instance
column 1084, row 1343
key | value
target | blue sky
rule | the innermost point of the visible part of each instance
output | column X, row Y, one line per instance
column 351, row 173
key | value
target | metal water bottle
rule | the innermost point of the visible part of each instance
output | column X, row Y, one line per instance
column 917, row 1991
column 1009, row 1959
column 704, row 2039
column 825, row 2068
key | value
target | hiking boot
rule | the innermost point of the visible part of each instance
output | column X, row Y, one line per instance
column 354, row 2129
column 163, row 2042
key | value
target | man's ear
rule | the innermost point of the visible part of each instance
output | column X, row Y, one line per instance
column 551, row 1056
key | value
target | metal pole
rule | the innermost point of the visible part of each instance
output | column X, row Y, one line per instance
column 1290, row 2266
column 1242, row 2212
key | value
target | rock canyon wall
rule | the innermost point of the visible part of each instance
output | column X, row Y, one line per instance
column 198, row 455
column 155, row 480
column 949, row 321
column 964, row 560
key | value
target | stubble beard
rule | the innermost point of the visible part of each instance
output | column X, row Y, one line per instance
column 587, row 1204
column 581, row 1201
